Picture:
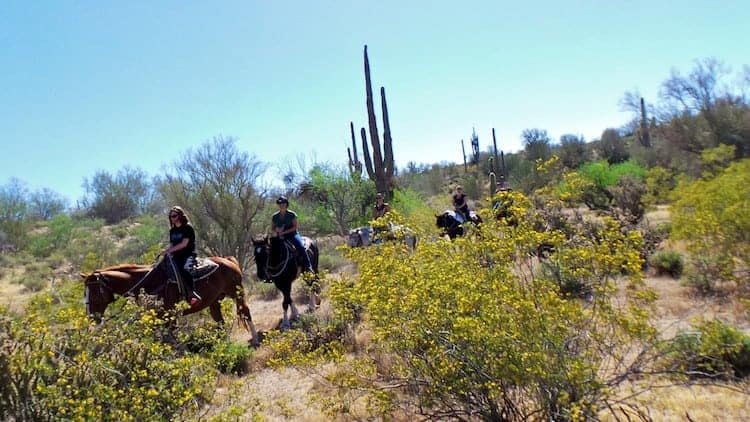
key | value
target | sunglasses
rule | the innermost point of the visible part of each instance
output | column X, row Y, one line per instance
column 173, row 215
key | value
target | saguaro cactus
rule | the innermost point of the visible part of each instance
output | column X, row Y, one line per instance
column 643, row 134
column 355, row 166
column 379, row 165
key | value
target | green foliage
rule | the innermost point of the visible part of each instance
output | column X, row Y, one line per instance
column 59, row 365
column 667, row 262
column 213, row 342
column 604, row 177
column 476, row 330
column 713, row 349
column 339, row 202
column 713, row 217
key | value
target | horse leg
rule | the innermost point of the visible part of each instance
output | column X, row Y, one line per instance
column 243, row 312
column 286, row 291
column 215, row 310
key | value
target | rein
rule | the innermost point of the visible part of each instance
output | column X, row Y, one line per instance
column 135, row 286
column 281, row 267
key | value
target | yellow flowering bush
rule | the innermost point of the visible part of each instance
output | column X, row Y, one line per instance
column 58, row 364
column 476, row 328
column 713, row 216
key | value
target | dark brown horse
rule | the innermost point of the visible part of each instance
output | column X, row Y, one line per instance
column 101, row 286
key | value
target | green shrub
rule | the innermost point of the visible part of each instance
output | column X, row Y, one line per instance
column 667, row 262
column 714, row 349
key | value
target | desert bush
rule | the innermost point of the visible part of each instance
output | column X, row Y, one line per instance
column 712, row 216
column 712, row 349
column 667, row 262
column 473, row 329
column 627, row 197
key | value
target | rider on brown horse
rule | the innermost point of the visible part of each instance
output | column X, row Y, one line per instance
column 182, row 250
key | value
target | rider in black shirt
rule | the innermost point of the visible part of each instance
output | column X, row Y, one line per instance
column 182, row 249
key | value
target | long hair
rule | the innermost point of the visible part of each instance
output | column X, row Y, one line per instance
column 179, row 211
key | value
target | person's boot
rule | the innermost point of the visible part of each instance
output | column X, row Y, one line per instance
column 192, row 297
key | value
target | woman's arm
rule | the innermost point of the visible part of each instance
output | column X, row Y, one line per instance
column 290, row 229
column 177, row 247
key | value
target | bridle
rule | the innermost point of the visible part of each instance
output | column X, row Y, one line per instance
column 273, row 271
column 99, row 281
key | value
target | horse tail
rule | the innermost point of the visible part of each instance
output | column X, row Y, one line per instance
column 243, row 311
column 315, row 256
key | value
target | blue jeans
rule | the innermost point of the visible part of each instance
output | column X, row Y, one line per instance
column 297, row 242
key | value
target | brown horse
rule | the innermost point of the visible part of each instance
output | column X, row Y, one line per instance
column 101, row 286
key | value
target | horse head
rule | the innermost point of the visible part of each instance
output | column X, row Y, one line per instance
column 261, row 253
column 97, row 294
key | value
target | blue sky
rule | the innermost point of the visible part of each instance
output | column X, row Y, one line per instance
column 90, row 85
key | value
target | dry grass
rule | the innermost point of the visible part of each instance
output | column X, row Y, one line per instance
column 695, row 403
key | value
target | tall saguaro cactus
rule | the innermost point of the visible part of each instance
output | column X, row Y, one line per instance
column 379, row 164
column 643, row 134
column 382, row 162
column 355, row 166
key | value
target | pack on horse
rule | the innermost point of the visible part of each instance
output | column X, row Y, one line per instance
column 451, row 222
column 366, row 236
column 276, row 261
column 221, row 277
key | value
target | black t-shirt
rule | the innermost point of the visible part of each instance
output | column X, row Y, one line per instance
column 176, row 234
column 459, row 200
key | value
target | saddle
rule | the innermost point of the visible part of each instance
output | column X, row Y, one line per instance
column 204, row 267
column 299, row 260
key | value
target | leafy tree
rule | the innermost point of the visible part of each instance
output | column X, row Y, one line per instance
column 220, row 188
column 45, row 204
column 612, row 147
column 572, row 151
column 713, row 217
column 699, row 100
column 339, row 199
column 536, row 144
column 117, row 197
column 14, row 213
column 472, row 330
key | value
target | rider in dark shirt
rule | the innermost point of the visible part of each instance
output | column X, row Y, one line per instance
column 459, row 203
column 380, row 207
column 285, row 226
column 182, row 249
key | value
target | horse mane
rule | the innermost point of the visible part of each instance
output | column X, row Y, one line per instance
column 125, row 268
